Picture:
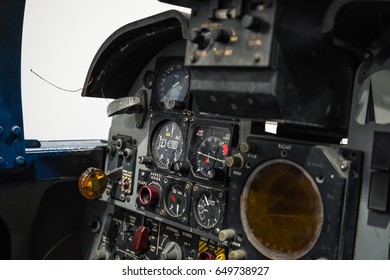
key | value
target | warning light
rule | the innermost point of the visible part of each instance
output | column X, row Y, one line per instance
column 93, row 183
column 225, row 148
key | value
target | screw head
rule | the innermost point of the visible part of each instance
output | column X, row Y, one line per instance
column 344, row 165
column 195, row 188
column 20, row 160
column 16, row 130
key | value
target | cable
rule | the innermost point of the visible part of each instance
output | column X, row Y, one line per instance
column 101, row 89
column 62, row 240
column 60, row 88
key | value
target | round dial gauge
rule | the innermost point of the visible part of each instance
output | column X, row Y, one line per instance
column 207, row 210
column 211, row 156
column 176, row 201
column 167, row 145
column 172, row 83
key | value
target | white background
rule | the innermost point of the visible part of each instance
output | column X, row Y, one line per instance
column 60, row 40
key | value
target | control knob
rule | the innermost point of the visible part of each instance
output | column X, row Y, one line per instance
column 236, row 161
column 102, row 254
column 248, row 147
column 172, row 251
column 221, row 36
column 111, row 150
column 128, row 153
column 251, row 23
column 226, row 234
column 237, row 255
column 120, row 143
column 149, row 195
column 145, row 159
column 201, row 38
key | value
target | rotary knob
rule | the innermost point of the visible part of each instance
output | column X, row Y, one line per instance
column 237, row 255
column 221, row 36
column 172, row 251
column 248, row 147
column 236, row 161
column 226, row 234
column 201, row 38
column 251, row 23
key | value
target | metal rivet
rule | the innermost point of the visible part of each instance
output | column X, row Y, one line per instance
column 16, row 130
column 344, row 165
column 20, row 160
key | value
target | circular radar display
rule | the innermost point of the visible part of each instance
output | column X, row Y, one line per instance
column 207, row 210
column 172, row 84
column 211, row 156
column 281, row 210
column 167, row 145
column 176, row 201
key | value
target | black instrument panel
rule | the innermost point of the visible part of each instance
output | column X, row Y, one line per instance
column 210, row 171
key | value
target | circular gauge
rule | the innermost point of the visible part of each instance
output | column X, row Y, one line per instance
column 207, row 210
column 167, row 145
column 172, row 84
column 175, row 201
column 281, row 210
column 210, row 156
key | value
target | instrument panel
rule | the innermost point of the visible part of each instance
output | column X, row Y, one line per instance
column 177, row 176
column 239, row 193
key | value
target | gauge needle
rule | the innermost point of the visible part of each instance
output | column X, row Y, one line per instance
column 214, row 158
column 177, row 210
column 173, row 198
column 176, row 84
column 173, row 128
column 207, row 201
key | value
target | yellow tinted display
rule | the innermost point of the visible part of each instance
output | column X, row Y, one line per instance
column 281, row 210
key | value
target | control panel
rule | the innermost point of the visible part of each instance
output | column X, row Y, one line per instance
column 193, row 169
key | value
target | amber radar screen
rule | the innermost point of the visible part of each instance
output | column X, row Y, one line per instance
column 281, row 210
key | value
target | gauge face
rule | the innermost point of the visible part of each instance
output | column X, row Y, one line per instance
column 209, row 148
column 211, row 156
column 176, row 201
column 171, row 86
column 207, row 210
column 167, row 145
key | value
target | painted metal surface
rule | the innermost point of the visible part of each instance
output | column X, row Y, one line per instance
column 12, row 146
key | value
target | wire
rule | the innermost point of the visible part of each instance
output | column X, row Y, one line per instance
column 60, row 88
column 62, row 240
column 101, row 89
